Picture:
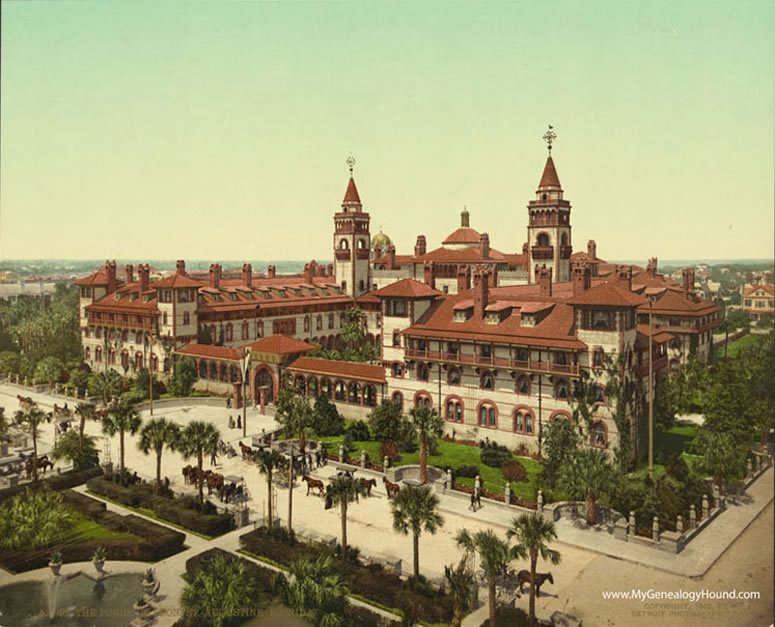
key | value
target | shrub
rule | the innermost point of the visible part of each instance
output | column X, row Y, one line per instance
column 358, row 431
column 512, row 616
column 327, row 420
column 466, row 471
column 495, row 455
column 676, row 467
column 514, row 471
column 390, row 450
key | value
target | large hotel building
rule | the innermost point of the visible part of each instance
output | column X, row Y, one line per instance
column 495, row 341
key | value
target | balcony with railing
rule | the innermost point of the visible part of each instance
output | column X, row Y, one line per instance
column 530, row 365
column 542, row 252
column 342, row 254
column 362, row 253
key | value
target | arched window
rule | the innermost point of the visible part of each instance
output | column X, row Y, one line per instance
column 523, row 421
column 343, row 245
column 542, row 239
column 599, row 394
column 561, row 390
column 354, row 393
column 319, row 322
column 154, row 362
column 186, row 318
column 330, row 321
column 229, row 335
column 598, row 435
column 487, row 381
column 111, row 356
column 488, row 415
column 325, row 387
column 423, row 373
column 453, row 376
column 398, row 400
column 139, row 337
column 398, row 369
column 454, row 409
column 245, row 330
column 138, row 361
column 202, row 370
column 98, row 354
column 339, row 391
column 369, row 395
column 87, row 354
column 523, row 385
column 422, row 399
column 213, row 371
column 306, row 324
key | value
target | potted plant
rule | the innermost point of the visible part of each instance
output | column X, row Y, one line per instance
column 55, row 562
column 141, row 608
column 98, row 558
column 150, row 584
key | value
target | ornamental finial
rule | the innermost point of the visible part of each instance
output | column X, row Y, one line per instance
column 351, row 163
column 549, row 138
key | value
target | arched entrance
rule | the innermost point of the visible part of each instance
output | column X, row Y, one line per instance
column 265, row 379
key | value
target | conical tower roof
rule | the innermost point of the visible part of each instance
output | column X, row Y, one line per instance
column 351, row 195
column 549, row 177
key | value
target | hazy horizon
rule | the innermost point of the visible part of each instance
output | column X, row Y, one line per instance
column 220, row 130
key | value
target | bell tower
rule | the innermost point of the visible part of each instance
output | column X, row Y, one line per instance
column 549, row 230
column 351, row 242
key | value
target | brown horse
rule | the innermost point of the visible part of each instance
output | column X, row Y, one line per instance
column 214, row 481
column 523, row 577
column 391, row 488
column 367, row 485
column 43, row 463
column 314, row 484
column 189, row 472
column 247, row 452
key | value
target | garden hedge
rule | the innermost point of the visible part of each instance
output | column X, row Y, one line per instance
column 372, row 582
column 54, row 481
column 156, row 541
column 176, row 510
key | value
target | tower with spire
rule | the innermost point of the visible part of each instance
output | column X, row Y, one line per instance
column 352, row 242
column 548, row 229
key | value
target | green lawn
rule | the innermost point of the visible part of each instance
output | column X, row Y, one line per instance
column 84, row 528
column 674, row 440
column 454, row 455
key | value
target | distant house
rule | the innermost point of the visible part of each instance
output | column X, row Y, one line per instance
column 37, row 289
column 759, row 300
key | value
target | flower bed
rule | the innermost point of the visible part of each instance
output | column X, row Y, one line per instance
column 179, row 511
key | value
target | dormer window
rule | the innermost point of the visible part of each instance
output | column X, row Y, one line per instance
column 485, row 350
column 399, row 308
column 602, row 320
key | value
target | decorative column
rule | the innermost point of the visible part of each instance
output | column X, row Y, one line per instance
column 705, row 507
column 692, row 517
column 679, row 524
column 655, row 529
column 363, row 459
column 631, row 524
column 507, row 494
column 540, row 502
column 341, row 454
column 385, row 463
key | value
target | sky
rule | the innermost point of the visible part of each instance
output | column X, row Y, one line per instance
column 220, row 129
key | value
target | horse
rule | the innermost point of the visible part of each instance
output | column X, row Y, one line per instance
column 523, row 577
column 214, row 482
column 188, row 474
column 43, row 463
column 391, row 488
column 367, row 485
column 314, row 484
column 247, row 452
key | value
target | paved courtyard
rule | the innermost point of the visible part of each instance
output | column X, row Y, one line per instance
column 591, row 563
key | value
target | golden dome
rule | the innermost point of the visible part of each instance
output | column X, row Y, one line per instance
column 380, row 240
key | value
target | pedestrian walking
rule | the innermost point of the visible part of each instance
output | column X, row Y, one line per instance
column 309, row 460
column 478, row 498
column 239, row 421
column 473, row 502
column 231, row 422
column 214, row 458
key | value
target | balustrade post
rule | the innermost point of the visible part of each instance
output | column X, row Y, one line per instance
column 655, row 529
column 679, row 524
column 705, row 507
column 631, row 524
column 692, row 517
column 341, row 454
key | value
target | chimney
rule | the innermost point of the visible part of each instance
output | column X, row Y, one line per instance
column 215, row 276
column 493, row 282
column 129, row 273
column 320, row 270
column 308, row 273
column 330, row 269
column 144, row 270
column 271, row 271
column 247, row 275
column 623, row 277
column 651, row 268
column 180, row 267
column 544, row 281
column 480, row 292
column 110, row 269
column 391, row 255
column 463, row 278
column 430, row 274
column 688, row 281
column 592, row 249
column 581, row 277
column 419, row 247
column 484, row 245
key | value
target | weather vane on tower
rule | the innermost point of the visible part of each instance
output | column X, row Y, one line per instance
column 549, row 138
column 351, row 163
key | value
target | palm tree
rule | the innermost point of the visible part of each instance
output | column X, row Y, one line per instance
column 587, row 475
column 121, row 418
column 106, row 385
column 30, row 418
column 294, row 414
column 428, row 424
column 222, row 587
column 416, row 508
column 532, row 532
column 268, row 461
column 315, row 588
column 197, row 439
column 79, row 449
column 462, row 583
column 494, row 556
column 156, row 434
column 343, row 490
column 84, row 411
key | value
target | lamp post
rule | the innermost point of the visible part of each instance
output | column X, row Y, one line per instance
column 244, row 358
column 290, row 492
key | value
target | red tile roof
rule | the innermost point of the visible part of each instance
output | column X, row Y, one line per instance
column 463, row 235
column 109, row 303
column 471, row 254
column 280, row 345
column 407, row 288
column 338, row 369
column 209, row 351
column 99, row 277
column 351, row 195
column 770, row 289
column 549, row 177
column 176, row 280
column 677, row 303
column 401, row 260
column 607, row 295
column 658, row 335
